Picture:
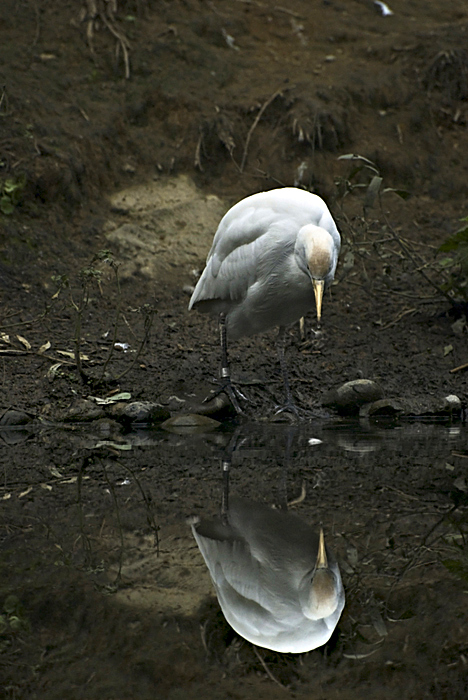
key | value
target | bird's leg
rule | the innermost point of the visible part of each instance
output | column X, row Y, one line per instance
column 226, row 465
column 289, row 405
column 226, row 383
column 225, row 376
column 225, row 496
column 290, row 433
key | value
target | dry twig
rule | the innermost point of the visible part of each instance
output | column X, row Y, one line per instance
column 403, row 313
column 148, row 322
column 105, row 11
column 459, row 368
column 254, row 125
column 267, row 670
column 418, row 268
column 197, row 160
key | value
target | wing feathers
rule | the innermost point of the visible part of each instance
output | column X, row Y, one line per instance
column 230, row 277
column 254, row 238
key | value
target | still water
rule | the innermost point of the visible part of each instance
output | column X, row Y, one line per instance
column 106, row 588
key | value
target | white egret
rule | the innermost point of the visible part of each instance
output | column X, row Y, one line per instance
column 272, row 256
column 277, row 584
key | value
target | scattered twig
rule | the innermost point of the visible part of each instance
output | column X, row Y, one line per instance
column 4, row 352
column 38, row 23
column 95, row 10
column 405, row 248
column 122, row 42
column 403, row 313
column 5, row 326
column 148, row 503
column 300, row 498
column 79, row 308
column 364, row 655
column 459, row 368
column 275, row 8
column 266, row 176
column 401, row 493
column 197, row 160
column 203, row 636
column 119, row 521
column 421, row 300
column 83, row 113
column 3, row 99
column 116, row 320
column 412, row 562
column 124, row 319
column 79, row 500
column 254, row 125
column 148, row 323
column 267, row 670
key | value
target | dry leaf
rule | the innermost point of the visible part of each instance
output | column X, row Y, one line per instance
column 25, row 493
column 53, row 371
column 123, row 396
column 67, row 353
column 363, row 655
column 44, row 347
column 24, row 342
column 4, row 337
column 124, row 446
column 460, row 484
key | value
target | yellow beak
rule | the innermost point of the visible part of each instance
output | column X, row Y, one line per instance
column 318, row 291
column 322, row 561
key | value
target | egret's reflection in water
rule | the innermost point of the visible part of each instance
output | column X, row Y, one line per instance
column 277, row 583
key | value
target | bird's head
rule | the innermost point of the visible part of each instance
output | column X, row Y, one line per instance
column 320, row 254
column 322, row 589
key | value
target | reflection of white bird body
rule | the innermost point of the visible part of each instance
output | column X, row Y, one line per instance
column 277, row 585
column 272, row 256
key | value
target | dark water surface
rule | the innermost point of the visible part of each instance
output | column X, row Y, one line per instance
column 105, row 593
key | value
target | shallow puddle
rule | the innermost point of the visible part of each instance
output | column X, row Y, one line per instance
column 106, row 594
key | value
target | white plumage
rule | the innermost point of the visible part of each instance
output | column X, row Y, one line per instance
column 272, row 256
column 277, row 585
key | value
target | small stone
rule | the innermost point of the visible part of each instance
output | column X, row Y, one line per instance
column 452, row 403
column 106, row 427
column 460, row 484
column 12, row 418
column 83, row 410
column 348, row 398
column 219, row 404
column 383, row 408
column 190, row 423
column 139, row 412
column 459, row 327
column 413, row 407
